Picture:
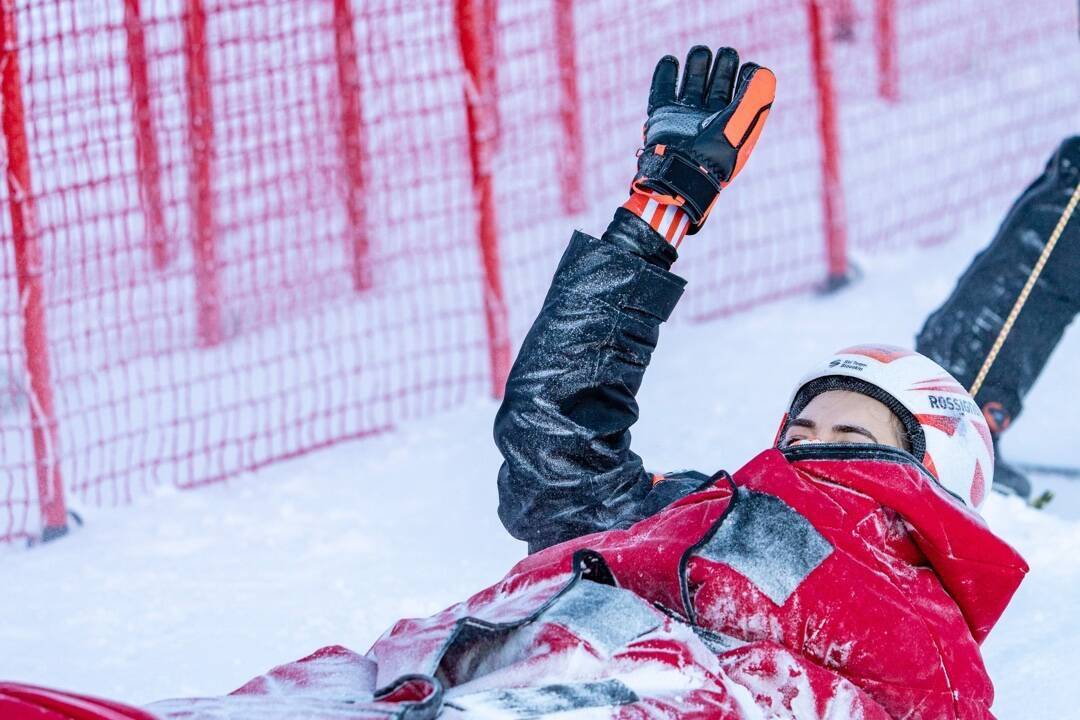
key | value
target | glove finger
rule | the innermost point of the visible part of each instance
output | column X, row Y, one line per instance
column 754, row 93
column 662, row 90
column 695, row 76
column 722, row 79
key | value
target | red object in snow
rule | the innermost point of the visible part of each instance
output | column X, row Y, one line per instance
column 29, row 702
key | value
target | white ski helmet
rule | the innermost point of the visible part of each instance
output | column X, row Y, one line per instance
column 947, row 432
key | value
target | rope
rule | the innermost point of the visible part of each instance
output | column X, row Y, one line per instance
column 1032, row 278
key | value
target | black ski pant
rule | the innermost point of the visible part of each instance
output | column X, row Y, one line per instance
column 960, row 334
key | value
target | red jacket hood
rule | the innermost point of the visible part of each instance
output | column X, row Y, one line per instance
column 977, row 568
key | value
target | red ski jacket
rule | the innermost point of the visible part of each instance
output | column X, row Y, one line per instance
column 852, row 559
column 807, row 586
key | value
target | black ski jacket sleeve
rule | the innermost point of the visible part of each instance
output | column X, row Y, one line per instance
column 563, row 428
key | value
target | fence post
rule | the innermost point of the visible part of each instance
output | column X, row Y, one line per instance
column 29, row 269
column 201, row 140
column 146, row 150
column 832, row 187
column 885, row 41
column 476, row 38
column 571, row 152
column 348, row 75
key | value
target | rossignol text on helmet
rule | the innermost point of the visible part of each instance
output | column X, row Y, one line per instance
column 946, row 430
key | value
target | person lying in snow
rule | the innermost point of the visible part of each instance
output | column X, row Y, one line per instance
column 843, row 573
column 960, row 333
column 853, row 546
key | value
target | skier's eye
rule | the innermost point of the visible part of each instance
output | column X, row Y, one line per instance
column 788, row 442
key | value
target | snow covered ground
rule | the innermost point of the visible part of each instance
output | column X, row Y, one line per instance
column 192, row 593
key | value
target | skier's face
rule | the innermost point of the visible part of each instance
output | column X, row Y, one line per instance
column 840, row 416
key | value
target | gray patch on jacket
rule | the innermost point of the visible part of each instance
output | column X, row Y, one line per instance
column 606, row 617
column 540, row 702
column 769, row 542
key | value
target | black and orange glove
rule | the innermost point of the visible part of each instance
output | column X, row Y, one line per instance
column 696, row 141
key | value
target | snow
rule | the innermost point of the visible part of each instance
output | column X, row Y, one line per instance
column 194, row 593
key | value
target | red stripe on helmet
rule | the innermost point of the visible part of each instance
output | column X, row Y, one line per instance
column 984, row 432
column 978, row 485
column 940, row 384
column 882, row 353
column 945, row 423
column 928, row 463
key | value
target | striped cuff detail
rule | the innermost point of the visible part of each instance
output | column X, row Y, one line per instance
column 670, row 221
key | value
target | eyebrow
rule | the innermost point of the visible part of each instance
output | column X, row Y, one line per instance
column 856, row 429
column 810, row 425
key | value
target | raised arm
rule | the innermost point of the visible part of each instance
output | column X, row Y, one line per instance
column 563, row 428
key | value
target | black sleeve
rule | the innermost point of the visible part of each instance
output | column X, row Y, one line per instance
column 563, row 428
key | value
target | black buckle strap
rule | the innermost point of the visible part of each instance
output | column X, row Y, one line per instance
column 674, row 174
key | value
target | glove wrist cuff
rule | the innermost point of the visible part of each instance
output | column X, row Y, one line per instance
column 668, row 221
column 671, row 177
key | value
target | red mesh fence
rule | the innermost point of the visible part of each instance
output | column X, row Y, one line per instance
column 238, row 230
column 983, row 97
